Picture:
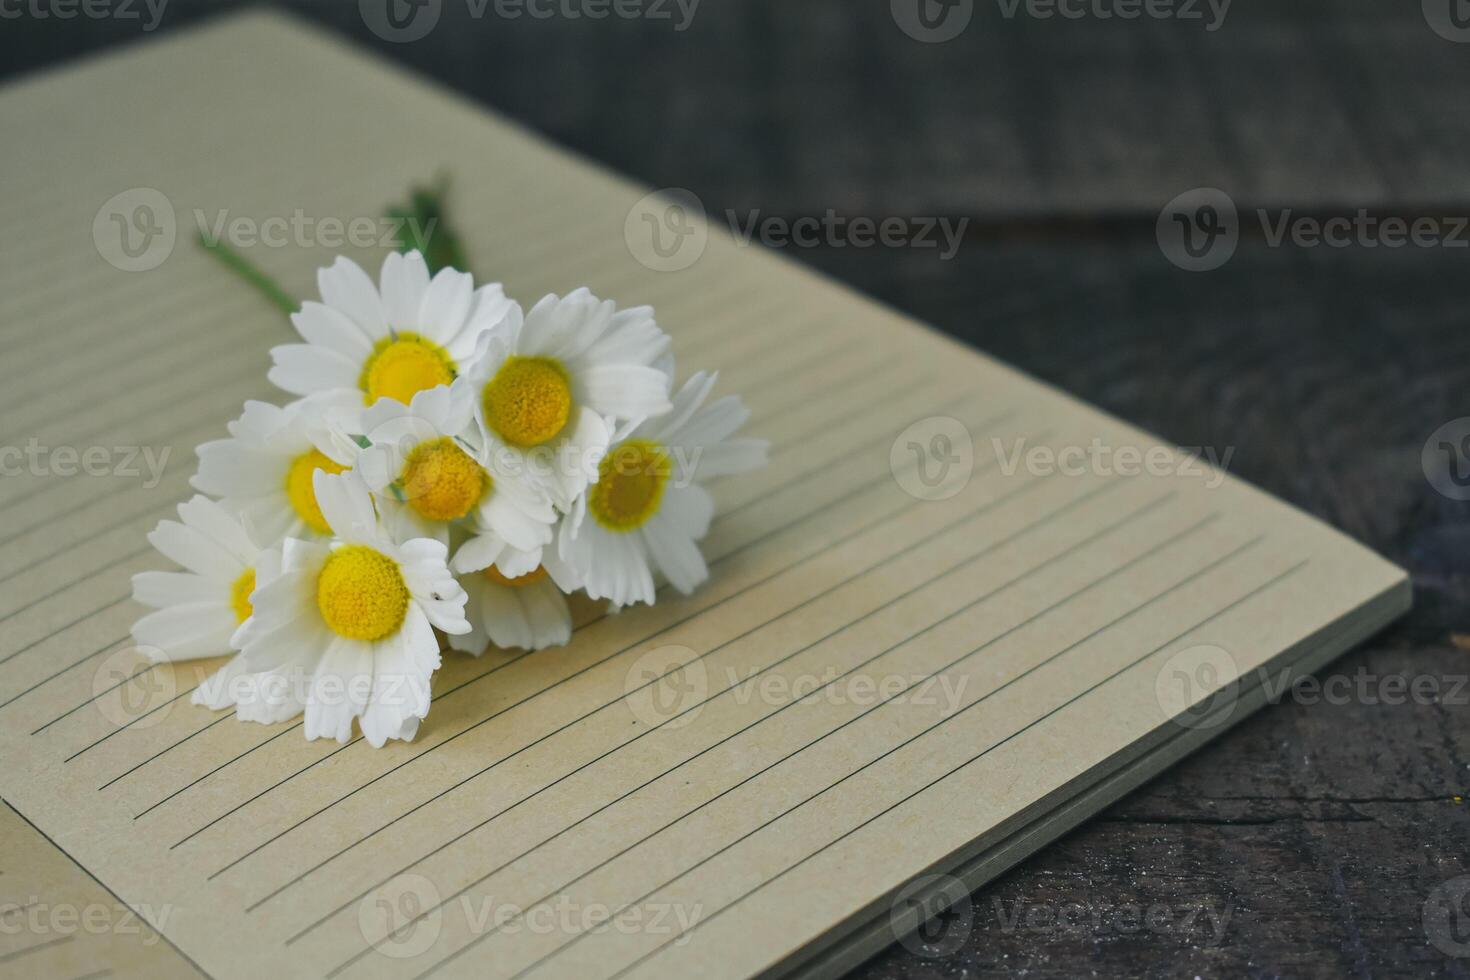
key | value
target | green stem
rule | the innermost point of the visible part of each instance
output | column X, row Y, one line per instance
column 251, row 273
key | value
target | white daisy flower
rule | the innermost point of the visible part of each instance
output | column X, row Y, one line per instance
column 200, row 609
column 427, row 465
column 527, row 611
column 346, row 629
column 646, row 509
column 264, row 471
column 547, row 387
column 364, row 342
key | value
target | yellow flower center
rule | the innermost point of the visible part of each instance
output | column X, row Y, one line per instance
column 240, row 594
column 300, row 491
column 530, row 578
column 402, row 366
column 630, row 484
column 361, row 594
column 441, row 481
column 529, row 401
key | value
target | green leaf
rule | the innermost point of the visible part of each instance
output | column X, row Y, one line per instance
column 425, row 227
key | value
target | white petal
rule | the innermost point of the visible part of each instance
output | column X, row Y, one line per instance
column 346, row 505
column 688, row 510
column 221, row 526
column 227, row 468
column 445, row 305
column 675, row 554
column 612, row 565
column 340, row 689
column 185, row 632
column 346, row 288
column 322, row 326
column 624, row 391
column 563, row 327
column 304, row 369
column 163, row 589
column 405, row 279
column 196, row 551
column 401, row 673
column 632, row 337
column 479, row 552
column 501, row 514
column 492, row 311
column 686, row 402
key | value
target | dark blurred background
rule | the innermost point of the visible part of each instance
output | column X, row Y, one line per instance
column 1322, row 828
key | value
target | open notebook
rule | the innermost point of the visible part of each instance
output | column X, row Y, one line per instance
column 919, row 651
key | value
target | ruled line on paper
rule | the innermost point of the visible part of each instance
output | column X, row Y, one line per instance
column 70, row 667
column 148, row 668
column 17, row 954
column 109, row 645
column 162, row 752
column 57, row 632
column 706, row 919
column 1067, row 552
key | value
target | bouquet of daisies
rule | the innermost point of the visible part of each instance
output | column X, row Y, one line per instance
column 452, row 468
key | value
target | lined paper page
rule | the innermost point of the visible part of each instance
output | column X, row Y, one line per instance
column 913, row 642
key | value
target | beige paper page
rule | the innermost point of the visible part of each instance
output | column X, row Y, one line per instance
column 57, row 921
column 917, row 637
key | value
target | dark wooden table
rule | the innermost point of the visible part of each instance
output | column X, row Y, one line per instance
column 1313, row 839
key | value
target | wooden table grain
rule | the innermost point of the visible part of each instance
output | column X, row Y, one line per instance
column 1326, row 836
